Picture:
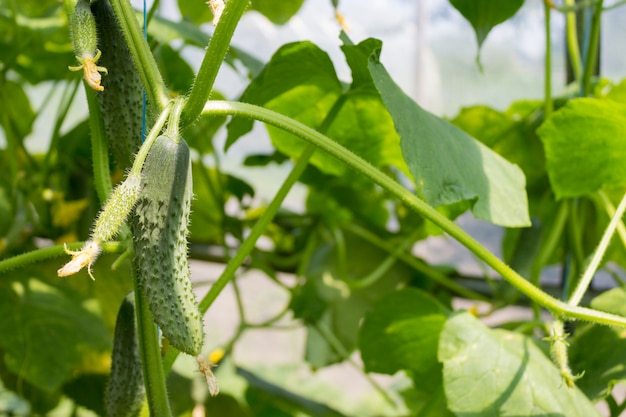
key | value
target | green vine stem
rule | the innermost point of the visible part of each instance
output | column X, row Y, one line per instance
column 384, row 267
column 336, row 345
column 150, row 138
column 38, row 255
column 249, row 243
column 591, row 269
column 99, row 148
column 414, row 203
column 548, row 246
column 64, row 106
column 592, row 51
column 573, row 47
column 140, row 50
column 213, row 58
column 548, row 105
column 418, row 265
column 610, row 210
column 153, row 373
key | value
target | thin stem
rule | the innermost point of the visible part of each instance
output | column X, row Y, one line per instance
column 573, row 47
column 384, row 267
column 142, row 56
column 260, row 226
column 550, row 242
column 548, row 105
column 548, row 246
column 610, row 210
column 150, row 138
column 153, row 373
column 37, row 255
column 99, row 148
column 414, row 203
column 66, row 101
column 343, row 353
column 216, row 51
column 173, row 123
column 584, row 282
column 340, row 245
column 418, row 265
column 592, row 51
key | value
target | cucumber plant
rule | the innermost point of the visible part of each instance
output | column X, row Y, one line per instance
column 381, row 173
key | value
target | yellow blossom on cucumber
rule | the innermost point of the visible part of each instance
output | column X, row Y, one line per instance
column 81, row 258
column 91, row 70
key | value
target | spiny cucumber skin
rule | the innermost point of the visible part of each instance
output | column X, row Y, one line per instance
column 125, row 391
column 83, row 30
column 160, row 241
column 121, row 102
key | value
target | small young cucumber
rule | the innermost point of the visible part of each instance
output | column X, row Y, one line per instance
column 160, row 241
column 125, row 392
column 85, row 42
column 121, row 103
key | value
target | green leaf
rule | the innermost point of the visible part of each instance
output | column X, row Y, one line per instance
column 447, row 164
column 18, row 115
column 300, row 82
column 176, row 72
column 267, row 399
column 278, row 12
column 54, row 333
column 331, row 299
column 599, row 352
column 500, row 373
column 483, row 15
column 611, row 301
column 510, row 135
column 402, row 333
column 197, row 12
column 585, row 146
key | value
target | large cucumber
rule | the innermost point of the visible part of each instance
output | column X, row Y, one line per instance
column 160, row 241
column 121, row 102
column 125, row 392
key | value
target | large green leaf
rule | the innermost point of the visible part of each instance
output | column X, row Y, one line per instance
column 500, row 373
column 483, row 15
column 585, row 144
column 447, row 164
column 268, row 399
column 510, row 135
column 599, row 351
column 300, row 82
column 402, row 333
column 46, row 333
column 279, row 12
column 18, row 115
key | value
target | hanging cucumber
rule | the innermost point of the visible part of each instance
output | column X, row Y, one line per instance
column 125, row 392
column 121, row 102
column 160, row 241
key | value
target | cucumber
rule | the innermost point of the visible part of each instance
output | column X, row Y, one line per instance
column 121, row 102
column 85, row 42
column 125, row 391
column 116, row 209
column 160, row 240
